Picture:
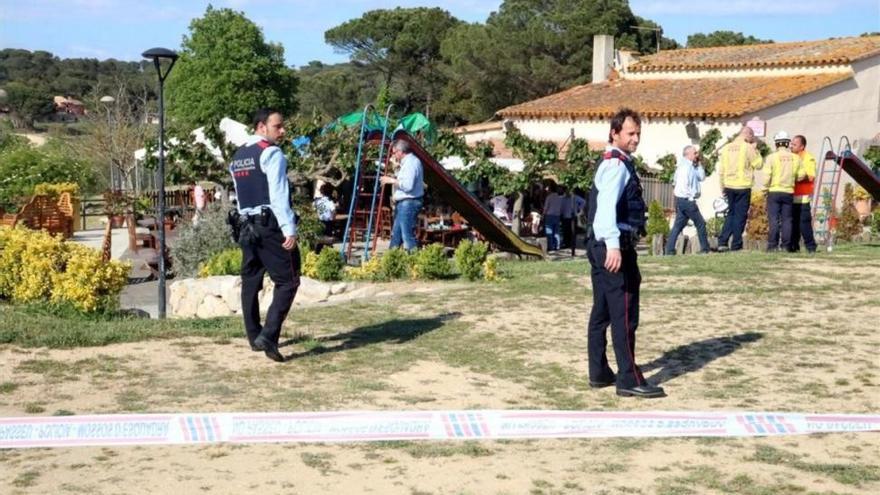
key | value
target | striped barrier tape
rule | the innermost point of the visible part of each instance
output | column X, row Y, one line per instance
column 367, row 426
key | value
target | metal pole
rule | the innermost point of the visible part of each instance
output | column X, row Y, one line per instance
column 160, row 178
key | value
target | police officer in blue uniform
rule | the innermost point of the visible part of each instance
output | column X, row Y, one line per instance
column 267, row 230
column 617, row 220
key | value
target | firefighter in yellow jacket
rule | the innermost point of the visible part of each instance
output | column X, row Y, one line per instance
column 783, row 169
column 737, row 162
column 802, row 219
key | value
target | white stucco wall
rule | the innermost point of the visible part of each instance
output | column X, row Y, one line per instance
column 850, row 108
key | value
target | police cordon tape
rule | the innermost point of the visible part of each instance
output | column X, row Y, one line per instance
column 368, row 426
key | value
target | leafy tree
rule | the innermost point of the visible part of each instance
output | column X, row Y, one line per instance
column 402, row 46
column 333, row 90
column 113, row 131
column 531, row 48
column 226, row 69
column 27, row 103
column 722, row 38
column 23, row 166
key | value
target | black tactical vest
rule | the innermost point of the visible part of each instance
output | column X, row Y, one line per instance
column 631, row 206
column 251, row 183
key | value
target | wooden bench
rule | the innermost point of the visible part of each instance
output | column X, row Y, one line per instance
column 45, row 213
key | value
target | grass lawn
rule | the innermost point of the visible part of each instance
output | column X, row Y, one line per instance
column 739, row 331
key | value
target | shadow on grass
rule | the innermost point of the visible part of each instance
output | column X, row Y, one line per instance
column 691, row 357
column 392, row 331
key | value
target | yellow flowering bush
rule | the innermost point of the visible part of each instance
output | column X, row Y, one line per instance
column 35, row 266
column 310, row 265
column 27, row 261
column 49, row 189
column 370, row 270
column 87, row 282
column 490, row 270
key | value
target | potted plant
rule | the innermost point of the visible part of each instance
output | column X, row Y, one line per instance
column 116, row 205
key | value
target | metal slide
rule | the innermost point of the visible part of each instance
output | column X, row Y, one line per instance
column 861, row 173
column 477, row 215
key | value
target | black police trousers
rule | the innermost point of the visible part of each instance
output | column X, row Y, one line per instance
column 268, row 255
column 615, row 302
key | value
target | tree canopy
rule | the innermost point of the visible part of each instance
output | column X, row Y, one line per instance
column 402, row 46
column 226, row 68
column 722, row 38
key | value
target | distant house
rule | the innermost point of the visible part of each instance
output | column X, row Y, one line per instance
column 69, row 106
column 815, row 88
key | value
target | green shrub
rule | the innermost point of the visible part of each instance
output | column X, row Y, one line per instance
column 196, row 244
column 469, row 257
column 226, row 262
column 714, row 226
column 395, row 263
column 875, row 223
column 308, row 227
column 329, row 266
column 23, row 166
column 848, row 227
column 657, row 223
column 758, row 226
column 431, row 263
column 370, row 270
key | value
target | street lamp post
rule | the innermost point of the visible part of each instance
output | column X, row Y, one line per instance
column 107, row 101
column 157, row 55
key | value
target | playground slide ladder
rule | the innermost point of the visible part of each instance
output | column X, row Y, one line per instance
column 378, row 191
column 828, row 181
column 350, row 225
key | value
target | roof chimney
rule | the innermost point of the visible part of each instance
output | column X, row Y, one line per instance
column 603, row 57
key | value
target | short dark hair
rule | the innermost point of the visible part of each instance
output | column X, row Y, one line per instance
column 261, row 116
column 620, row 117
column 326, row 189
column 803, row 139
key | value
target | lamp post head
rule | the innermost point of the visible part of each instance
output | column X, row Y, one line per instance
column 157, row 55
column 160, row 53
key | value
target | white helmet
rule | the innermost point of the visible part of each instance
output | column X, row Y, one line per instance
column 781, row 136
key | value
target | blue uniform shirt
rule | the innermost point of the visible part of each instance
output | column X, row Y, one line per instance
column 611, row 177
column 274, row 165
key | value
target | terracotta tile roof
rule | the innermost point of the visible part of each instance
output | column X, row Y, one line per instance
column 799, row 53
column 715, row 97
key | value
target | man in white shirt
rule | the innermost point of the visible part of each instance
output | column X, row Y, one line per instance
column 408, row 193
column 688, row 175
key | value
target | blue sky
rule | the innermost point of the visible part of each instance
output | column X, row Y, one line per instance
column 123, row 29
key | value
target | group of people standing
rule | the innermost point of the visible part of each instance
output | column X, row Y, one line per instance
column 790, row 172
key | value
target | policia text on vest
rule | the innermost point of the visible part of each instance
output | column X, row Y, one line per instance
column 266, row 230
column 616, row 218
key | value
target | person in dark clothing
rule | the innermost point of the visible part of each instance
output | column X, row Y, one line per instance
column 616, row 220
column 267, row 231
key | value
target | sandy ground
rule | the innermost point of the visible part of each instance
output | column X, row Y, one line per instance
column 767, row 351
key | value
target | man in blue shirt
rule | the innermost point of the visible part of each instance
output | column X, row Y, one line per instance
column 616, row 221
column 408, row 192
column 688, row 175
column 268, row 226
